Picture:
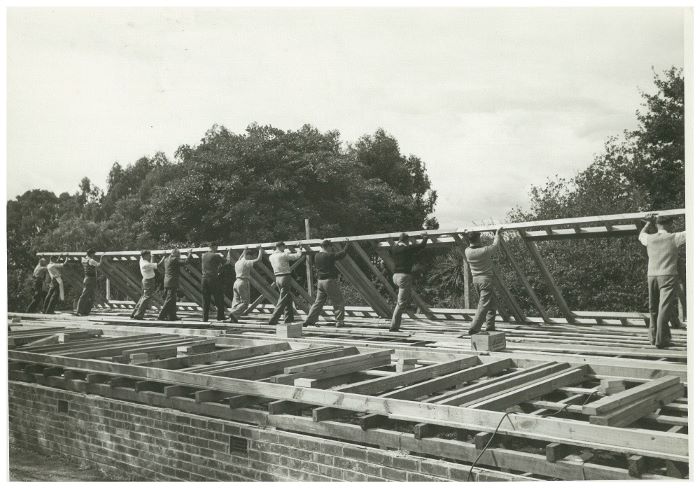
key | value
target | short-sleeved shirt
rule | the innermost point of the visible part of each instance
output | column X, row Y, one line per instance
column 148, row 269
column 480, row 260
column 243, row 268
column 211, row 262
column 662, row 249
column 280, row 261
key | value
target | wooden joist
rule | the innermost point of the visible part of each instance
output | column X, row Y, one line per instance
column 656, row 444
column 610, row 403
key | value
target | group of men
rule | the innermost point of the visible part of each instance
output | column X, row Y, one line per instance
column 663, row 284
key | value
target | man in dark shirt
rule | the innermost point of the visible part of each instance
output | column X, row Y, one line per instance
column 87, row 297
column 171, row 281
column 211, row 283
column 404, row 256
column 328, row 284
column 38, row 280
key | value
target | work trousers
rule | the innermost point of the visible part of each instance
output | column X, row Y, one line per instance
column 38, row 296
column 284, row 303
column 328, row 289
column 663, row 308
column 53, row 296
column 241, row 296
column 211, row 285
column 169, row 310
column 486, row 310
column 87, row 297
column 405, row 283
column 149, row 289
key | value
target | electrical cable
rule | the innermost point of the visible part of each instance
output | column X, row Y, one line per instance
column 562, row 409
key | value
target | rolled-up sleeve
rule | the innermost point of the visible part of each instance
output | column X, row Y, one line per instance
column 679, row 238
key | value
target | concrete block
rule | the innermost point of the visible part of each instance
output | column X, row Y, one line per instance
column 489, row 341
column 289, row 330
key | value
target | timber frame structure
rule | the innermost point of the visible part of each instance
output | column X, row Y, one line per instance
column 582, row 396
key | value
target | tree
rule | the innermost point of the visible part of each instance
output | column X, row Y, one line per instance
column 257, row 186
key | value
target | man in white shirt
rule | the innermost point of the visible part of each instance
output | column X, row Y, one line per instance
column 39, row 279
column 148, row 273
column 241, row 287
column 662, row 277
column 280, row 260
column 56, row 291
column 87, row 297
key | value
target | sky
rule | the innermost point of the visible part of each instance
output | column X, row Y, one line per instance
column 492, row 100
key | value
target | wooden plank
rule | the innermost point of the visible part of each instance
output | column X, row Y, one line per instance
column 364, row 286
column 531, row 390
column 329, row 363
column 447, row 381
column 219, row 355
column 633, row 411
column 653, row 443
column 314, row 380
column 375, row 271
column 607, row 404
column 474, row 392
column 508, row 297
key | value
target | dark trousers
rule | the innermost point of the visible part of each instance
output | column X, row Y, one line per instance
column 38, row 296
column 169, row 310
column 486, row 310
column 328, row 289
column 149, row 289
column 52, row 297
column 663, row 308
column 211, row 285
column 284, row 303
column 87, row 297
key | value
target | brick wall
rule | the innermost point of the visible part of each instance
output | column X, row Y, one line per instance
column 138, row 442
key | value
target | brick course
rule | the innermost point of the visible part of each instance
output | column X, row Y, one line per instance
column 137, row 442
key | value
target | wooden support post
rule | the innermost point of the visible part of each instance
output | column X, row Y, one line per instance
column 636, row 465
column 548, row 279
column 481, row 440
column 309, row 275
column 556, row 451
column 467, row 275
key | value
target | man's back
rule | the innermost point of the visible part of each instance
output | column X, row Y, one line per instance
column 325, row 264
column 662, row 249
column 211, row 261
column 479, row 259
column 243, row 268
column 54, row 269
column 405, row 257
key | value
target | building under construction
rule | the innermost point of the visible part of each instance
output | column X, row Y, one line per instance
column 578, row 396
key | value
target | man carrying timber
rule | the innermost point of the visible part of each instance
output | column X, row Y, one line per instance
column 328, row 284
column 87, row 297
column 404, row 257
column 38, row 279
column 171, row 281
column 662, row 277
column 148, row 283
column 480, row 262
column 280, row 260
column 56, row 292
column 212, row 262
column 241, row 287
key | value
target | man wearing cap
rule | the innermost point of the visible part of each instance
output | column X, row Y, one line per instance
column 211, row 283
column 56, row 292
column 404, row 257
column 480, row 262
column 328, row 283
column 280, row 260
column 662, row 277
column 171, row 281
column 38, row 280
column 148, row 283
column 87, row 297
column 241, row 287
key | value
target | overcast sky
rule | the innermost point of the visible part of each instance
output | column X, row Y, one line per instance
column 493, row 100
